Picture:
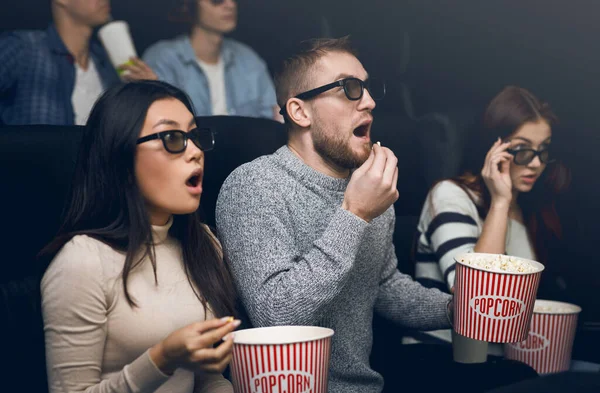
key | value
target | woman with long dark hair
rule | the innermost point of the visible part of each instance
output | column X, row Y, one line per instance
column 137, row 297
column 504, row 202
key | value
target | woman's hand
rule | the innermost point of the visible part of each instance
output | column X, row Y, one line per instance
column 193, row 347
column 496, row 173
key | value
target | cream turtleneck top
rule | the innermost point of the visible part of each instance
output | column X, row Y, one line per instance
column 96, row 342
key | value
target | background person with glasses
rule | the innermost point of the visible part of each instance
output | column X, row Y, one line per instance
column 503, row 203
column 136, row 296
column 221, row 75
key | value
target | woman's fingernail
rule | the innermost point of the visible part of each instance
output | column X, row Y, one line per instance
column 226, row 319
column 236, row 323
column 228, row 336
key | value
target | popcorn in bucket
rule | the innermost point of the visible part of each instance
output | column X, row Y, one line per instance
column 548, row 346
column 494, row 296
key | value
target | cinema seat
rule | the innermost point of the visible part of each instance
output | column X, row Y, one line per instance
column 36, row 169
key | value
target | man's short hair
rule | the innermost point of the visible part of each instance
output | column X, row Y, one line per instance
column 295, row 75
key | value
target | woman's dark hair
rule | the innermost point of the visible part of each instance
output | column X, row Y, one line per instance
column 507, row 112
column 105, row 201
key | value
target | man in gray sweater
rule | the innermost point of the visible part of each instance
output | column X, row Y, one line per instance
column 308, row 229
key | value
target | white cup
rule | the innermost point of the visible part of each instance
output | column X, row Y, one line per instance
column 117, row 41
column 468, row 350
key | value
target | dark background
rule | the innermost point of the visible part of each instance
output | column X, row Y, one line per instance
column 462, row 53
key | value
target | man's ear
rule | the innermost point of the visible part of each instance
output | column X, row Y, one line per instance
column 298, row 112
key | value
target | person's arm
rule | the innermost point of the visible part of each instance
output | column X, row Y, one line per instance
column 278, row 284
column 12, row 54
column 74, row 305
column 408, row 303
column 493, row 234
column 211, row 383
column 496, row 174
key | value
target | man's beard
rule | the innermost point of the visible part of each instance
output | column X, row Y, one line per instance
column 337, row 150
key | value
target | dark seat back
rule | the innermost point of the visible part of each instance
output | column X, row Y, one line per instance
column 36, row 169
column 402, row 135
column 238, row 140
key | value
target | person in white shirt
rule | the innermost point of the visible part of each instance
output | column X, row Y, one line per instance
column 222, row 76
column 55, row 76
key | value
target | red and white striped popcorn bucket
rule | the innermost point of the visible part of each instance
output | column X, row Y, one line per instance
column 281, row 359
column 548, row 347
column 494, row 296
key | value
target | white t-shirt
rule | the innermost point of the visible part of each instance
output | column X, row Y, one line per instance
column 88, row 87
column 517, row 241
column 215, row 73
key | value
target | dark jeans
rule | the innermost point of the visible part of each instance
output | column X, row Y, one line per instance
column 430, row 368
column 571, row 382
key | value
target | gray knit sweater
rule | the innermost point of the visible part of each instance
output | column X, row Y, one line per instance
column 298, row 258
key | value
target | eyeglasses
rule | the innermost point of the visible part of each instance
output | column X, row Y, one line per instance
column 525, row 156
column 353, row 88
column 175, row 141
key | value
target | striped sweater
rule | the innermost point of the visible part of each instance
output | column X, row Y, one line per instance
column 450, row 225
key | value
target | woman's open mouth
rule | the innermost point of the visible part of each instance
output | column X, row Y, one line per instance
column 194, row 182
